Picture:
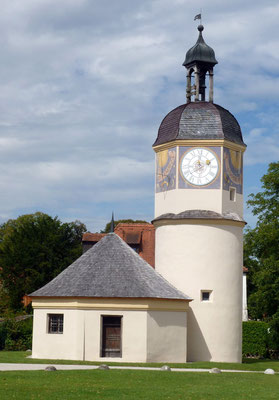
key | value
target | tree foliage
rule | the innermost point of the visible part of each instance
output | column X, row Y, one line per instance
column 16, row 333
column 122, row 221
column 261, row 246
column 34, row 248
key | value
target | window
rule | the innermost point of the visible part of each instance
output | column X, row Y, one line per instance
column 206, row 295
column 55, row 323
column 232, row 193
column 111, row 336
column 135, row 247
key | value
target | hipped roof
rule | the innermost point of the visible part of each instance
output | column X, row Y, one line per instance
column 110, row 269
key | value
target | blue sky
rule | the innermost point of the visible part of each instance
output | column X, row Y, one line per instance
column 86, row 83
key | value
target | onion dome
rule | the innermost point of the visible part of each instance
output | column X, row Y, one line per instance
column 200, row 52
column 199, row 121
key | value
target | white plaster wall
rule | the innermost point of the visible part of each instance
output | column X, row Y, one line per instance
column 244, row 298
column 232, row 206
column 68, row 345
column 134, row 335
column 81, row 338
column 166, row 336
column 178, row 200
column 206, row 257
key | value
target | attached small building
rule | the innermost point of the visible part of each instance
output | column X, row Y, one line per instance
column 110, row 304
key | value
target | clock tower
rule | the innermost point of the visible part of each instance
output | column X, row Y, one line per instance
column 199, row 211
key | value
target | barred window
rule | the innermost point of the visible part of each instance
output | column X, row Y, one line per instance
column 55, row 323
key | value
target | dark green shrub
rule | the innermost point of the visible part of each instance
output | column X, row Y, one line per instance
column 3, row 335
column 255, row 339
column 16, row 333
column 273, row 336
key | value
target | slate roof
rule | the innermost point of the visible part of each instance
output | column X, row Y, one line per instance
column 199, row 120
column 110, row 269
column 200, row 214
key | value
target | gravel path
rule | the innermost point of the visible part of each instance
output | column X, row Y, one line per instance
column 36, row 367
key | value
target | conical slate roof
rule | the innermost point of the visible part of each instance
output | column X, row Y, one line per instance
column 110, row 269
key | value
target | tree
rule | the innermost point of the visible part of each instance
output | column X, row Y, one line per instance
column 34, row 248
column 123, row 221
column 261, row 253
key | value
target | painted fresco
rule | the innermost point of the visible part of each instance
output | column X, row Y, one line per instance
column 233, row 175
column 214, row 183
column 166, row 170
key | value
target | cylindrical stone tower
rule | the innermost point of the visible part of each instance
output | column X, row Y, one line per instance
column 199, row 212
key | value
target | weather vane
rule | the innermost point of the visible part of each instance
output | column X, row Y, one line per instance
column 199, row 16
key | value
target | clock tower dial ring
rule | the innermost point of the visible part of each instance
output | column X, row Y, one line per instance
column 199, row 166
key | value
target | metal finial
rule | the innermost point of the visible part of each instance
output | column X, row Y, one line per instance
column 112, row 223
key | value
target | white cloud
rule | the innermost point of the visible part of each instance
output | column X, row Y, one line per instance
column 85, row 85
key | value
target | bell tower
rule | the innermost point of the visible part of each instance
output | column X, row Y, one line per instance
column 200, row 60
column 199, row 211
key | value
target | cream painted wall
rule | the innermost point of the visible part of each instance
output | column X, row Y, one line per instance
column 167, row 336
column 195, row 257
column 81, row 338
column 178, row 200
column 244, row 298
column 232, row 206
column 134, row 338
column 68, row 345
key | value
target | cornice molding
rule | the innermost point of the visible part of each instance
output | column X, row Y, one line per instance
column 198, row 221
column 131, row 304
column 200, row 143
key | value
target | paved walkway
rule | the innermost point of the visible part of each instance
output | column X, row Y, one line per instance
column 36, row 367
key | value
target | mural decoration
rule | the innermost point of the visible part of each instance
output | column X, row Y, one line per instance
column 199, row 168
column 166, row 170
column 233, row 175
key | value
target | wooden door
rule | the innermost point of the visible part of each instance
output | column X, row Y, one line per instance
column 111, row 338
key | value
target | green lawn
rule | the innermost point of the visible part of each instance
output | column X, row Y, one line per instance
column 136, row 385
column 248, row 364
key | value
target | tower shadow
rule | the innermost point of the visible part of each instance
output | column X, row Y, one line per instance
column 197, row 349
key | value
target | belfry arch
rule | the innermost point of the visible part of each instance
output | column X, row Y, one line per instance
column 199, row 63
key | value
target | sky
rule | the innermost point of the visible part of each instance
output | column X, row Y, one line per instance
column 85, row 84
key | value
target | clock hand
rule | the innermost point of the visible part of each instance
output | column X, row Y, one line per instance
column 200, row 166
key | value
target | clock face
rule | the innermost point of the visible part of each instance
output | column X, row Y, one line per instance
column 199, row 166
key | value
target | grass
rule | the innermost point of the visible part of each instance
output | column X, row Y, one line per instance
column 248, row 364
column 127, row 384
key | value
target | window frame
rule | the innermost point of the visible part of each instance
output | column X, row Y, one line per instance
column 51, row 324
column 209, row 292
